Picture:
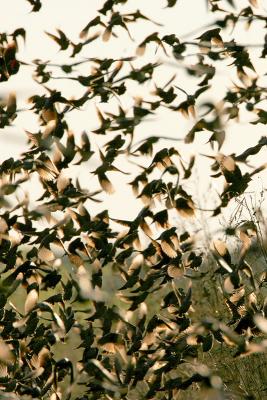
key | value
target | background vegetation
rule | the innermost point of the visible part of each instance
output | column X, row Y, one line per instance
column 165, row 301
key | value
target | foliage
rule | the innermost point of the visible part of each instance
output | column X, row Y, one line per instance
column 141, row 309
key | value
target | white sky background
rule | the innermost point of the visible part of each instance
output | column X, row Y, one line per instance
column 71, row 16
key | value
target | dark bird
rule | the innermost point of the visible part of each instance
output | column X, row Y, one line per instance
column 169, row 242
column 187, row 106
column 61, row 40
column 162, row 158
column 212, row 35
column 153, row 37
column 84, row 149
column 139, row 221
column 46, row 168
column 101, row 173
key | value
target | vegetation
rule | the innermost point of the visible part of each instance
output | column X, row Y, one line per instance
column 170, row 303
